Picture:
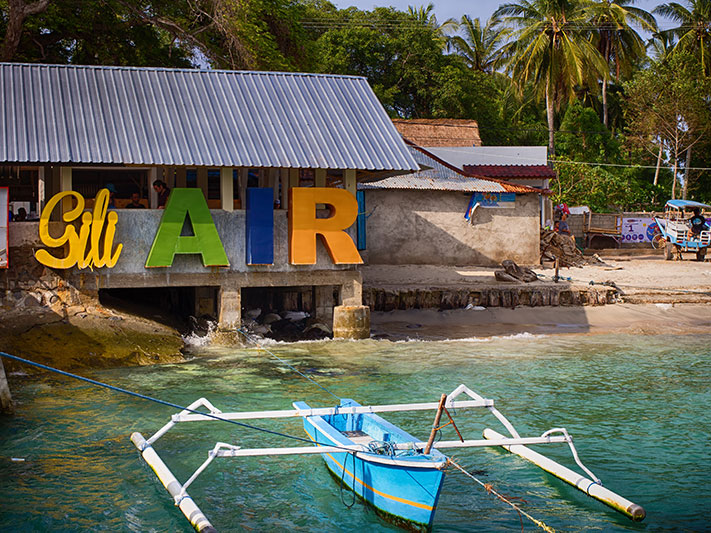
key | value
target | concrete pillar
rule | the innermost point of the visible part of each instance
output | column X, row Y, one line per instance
column 351, row 322
column 352, row 292
column 5, row 397
column 230, row 308
column 227, row 193
column 323, row 303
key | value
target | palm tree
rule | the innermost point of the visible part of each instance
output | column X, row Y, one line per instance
column 618, row 43
column 694, row 31
column 427, row 17
column 480, row 46
column 550, row 50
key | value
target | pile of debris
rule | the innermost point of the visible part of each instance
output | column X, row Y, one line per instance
column 514, row 273
column 287, row 326
column 562, row 247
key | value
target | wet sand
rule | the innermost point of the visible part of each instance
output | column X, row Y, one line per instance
column 633, row 319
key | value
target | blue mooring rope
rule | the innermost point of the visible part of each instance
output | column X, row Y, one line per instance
column 156, row 400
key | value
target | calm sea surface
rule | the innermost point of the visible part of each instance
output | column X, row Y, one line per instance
column 638, row 407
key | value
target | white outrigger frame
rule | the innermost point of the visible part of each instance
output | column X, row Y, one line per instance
column 515, row 444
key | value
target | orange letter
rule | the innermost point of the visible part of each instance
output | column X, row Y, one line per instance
column 304, row 226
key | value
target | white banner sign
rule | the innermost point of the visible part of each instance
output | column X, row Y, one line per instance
column 637, row 229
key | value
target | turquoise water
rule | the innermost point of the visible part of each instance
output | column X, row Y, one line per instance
column 638, row 408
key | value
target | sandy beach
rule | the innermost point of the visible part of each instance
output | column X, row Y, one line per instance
column 658, row 297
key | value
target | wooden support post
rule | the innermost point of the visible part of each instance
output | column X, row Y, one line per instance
column 243, row 178
column 65, row 184
column 349, row 180
column 41, row 187
column 181, row 177
column 293, row 182
column 152, row 194
column 320, row 177
column 227, row 194
column 169, row 176
column 202, row 180
column 273, row 182
column 435, row 425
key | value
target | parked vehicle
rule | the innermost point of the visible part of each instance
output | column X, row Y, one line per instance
column 676, row 230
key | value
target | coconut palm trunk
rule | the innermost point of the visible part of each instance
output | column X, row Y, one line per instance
column 551, row 121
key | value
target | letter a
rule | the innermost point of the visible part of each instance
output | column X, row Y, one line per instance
column 205, row 240
column 304, row 226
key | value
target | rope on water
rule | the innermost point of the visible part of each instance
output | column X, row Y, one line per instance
column 260, row 347
column 491, row 490
column 162, row 402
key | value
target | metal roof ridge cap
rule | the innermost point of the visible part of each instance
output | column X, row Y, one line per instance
column 194, row 70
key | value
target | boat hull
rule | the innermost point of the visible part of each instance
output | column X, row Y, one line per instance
column 405, row 488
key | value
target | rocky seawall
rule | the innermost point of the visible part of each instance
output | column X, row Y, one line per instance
column 390, row 299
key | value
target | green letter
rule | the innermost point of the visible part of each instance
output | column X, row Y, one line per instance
column 204, row 241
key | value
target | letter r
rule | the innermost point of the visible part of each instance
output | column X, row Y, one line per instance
column 304, row 226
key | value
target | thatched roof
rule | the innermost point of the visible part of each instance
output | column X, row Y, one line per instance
column 432, row 132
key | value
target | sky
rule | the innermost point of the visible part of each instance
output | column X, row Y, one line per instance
column 483, row 9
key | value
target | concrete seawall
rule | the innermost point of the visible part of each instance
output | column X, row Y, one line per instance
column 390, row 299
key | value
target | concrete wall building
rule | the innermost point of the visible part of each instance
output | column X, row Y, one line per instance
column 419, row 218
column 65, row 128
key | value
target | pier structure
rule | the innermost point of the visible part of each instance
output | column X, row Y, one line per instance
column 79, row 130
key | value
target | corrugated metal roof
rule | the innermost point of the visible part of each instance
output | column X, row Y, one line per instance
column 439, row 175
column 511, row 171
column 150, row 116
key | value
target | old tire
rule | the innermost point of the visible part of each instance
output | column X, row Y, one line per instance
column 669, row 251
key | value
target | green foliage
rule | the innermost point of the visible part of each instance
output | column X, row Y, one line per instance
column 582, row 137
column 604, row 190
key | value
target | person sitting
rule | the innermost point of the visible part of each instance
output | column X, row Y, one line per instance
column 163, row 192
column 135, row 202
column 697, row 223
column 563, row 227
column 21, row 215
column 112, row 192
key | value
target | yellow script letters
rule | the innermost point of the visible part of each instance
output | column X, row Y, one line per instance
column 92, row 226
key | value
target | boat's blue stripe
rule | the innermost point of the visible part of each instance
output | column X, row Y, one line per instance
column 376, row 491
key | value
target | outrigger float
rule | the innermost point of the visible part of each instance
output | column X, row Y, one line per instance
column 387, row 467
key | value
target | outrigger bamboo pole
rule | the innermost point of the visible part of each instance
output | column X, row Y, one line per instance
column 617, row 502
column 435, row 425
column 186, row 504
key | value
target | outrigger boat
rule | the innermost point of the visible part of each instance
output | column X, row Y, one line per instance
column 387, row 467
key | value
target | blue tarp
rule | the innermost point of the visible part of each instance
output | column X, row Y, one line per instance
column 681, row 204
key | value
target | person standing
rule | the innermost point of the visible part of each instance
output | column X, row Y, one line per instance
column 163, row 192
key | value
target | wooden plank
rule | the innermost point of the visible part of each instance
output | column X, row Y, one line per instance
column 349, row 180
column 202, row 180
column 181, row 178
column 227, row 189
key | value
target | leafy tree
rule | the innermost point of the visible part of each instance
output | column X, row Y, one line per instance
column 14, row 14
column 582, row 137
column 667, row 109
column 550, row 51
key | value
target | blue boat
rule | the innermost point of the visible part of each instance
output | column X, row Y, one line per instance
column 381, row 463
column 403, row 484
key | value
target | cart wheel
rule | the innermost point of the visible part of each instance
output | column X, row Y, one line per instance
column 701, row 254
column 669, row 251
